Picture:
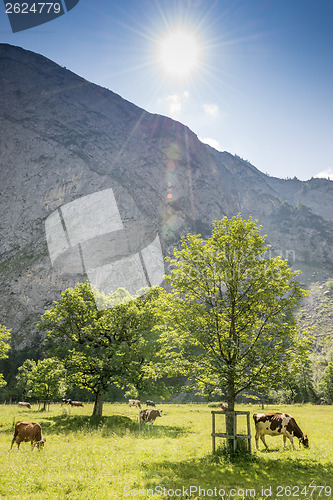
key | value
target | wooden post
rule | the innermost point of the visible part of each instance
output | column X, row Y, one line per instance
column 213, row 431
column 235, row 431
column 249, row 431
column 234, row 436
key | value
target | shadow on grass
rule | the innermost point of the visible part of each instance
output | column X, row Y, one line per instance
column 253, row 472
column 160, row 431
column 106, row 425
column 63, row 424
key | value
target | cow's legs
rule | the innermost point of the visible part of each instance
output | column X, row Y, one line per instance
column 18, row 443
column 13, row 441
column 262, row 437
column 285, row 440
column 257, row 440
column 292, row 442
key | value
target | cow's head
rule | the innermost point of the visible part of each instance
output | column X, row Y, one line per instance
column 304, row 440
column 40, row 444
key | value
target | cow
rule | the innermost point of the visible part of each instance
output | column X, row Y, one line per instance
column 24, row 405
column 75, row 403
column 277, row 424
column 28, row 431
column 223, row 407
column 150, row 403
column 134, row 402
column 65, row 401
column 149, row 415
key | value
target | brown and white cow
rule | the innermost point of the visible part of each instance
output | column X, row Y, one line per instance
column 76, row 403
column 28, row 431
column 278, row 424
column 24, row 405
column 65, row 401
column 134, row 402
column 149, row 402
column 149, row 415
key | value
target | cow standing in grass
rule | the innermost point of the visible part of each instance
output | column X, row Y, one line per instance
column 65, row 401
column 28, row 431
column 149, row 415
column 278, row 424
column 24, row 405
column 134, row 402
column 149, row 402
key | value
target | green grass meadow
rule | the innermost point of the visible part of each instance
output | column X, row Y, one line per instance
column 111, row 458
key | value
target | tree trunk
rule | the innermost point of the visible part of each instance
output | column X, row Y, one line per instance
column 98, row 406
column 231, row 393
column 231, row 407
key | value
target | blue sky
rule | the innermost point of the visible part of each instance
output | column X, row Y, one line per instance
column 262, row 86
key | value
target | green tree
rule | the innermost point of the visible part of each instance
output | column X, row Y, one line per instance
column 229, row 319
column 299, row 377
column 99, row 347
column 4, row 347
column 326, row 383
column 24, row 378
column 44, row 380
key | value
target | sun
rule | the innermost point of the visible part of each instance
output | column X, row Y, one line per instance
column 179, row 54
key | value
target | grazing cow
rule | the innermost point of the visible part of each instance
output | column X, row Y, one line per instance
column 150, row 403
column 28, row 431
column 65, row 401
column 24, row 405
column 134, row 402
column 224, row 407
column 277, row 424
column 75, row 403
column 149, row 416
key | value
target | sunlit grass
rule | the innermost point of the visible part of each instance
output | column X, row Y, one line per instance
column 89, row 458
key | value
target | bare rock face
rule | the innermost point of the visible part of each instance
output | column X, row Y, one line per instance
column 64, row 139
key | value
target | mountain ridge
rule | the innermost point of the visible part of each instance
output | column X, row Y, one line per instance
column 63, row 138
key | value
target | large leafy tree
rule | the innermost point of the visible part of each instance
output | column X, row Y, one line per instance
column 4, row 347
column 96, row 346
column 24, row 382
column 229, row 320
column 326, row 383
column 298, row 380
column 44, row 380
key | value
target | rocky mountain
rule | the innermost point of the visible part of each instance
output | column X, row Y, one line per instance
column 71, row 147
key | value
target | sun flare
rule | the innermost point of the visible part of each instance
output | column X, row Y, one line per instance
column 179, row 54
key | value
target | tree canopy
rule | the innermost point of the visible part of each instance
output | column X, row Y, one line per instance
column 98, row 347
column 229, row 320
column 326, row 383
column 4, row 347
column 44, row 380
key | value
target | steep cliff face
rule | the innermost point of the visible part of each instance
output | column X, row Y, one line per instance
column 63, row 138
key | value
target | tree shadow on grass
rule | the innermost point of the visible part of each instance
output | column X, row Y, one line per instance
column 211, row 471
column 106, row 425
column 160, row 431
column 64, row 424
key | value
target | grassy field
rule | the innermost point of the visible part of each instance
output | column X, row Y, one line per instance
column 111, row 458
